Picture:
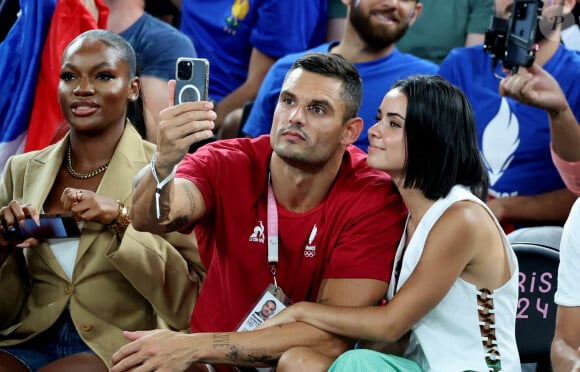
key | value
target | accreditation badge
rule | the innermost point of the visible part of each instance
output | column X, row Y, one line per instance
column 272, row 301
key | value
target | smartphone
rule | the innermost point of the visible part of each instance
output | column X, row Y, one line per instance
column 51, row 226
column 192, row 78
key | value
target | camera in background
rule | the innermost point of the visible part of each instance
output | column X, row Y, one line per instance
column 512, row 41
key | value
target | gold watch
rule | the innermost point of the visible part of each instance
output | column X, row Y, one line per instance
column 121, row 222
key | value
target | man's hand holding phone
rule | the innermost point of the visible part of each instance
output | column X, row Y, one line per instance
column 181, row 126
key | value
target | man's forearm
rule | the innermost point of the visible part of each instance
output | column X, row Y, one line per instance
column 143, row 212
column 565, row 135
column 265, row 346
column 552, row 206
column 564, row 358
column 474, row 39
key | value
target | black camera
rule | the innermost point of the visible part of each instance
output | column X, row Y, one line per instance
column 512, row 41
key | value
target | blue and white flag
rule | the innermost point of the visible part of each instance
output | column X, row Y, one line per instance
column 20, row 54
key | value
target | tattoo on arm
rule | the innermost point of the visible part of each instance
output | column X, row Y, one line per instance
column 322, row 300
column 182, row 220
column 176, row 224
column 237, row 354
column 220, row 340
column 189, row 194
column 234, row 354
column 260, row 355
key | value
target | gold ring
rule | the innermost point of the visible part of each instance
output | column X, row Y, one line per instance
column 79, row 195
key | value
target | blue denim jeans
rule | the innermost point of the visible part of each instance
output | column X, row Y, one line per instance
column 59, row 341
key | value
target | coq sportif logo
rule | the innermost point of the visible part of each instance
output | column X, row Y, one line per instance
column 258, row 235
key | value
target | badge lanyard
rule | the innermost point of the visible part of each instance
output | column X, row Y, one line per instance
column 272, row 231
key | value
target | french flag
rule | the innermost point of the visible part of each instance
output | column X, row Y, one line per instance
column 19, row 65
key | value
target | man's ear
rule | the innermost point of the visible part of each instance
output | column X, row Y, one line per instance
column 414, row 13
column 351, row 3
column 352, row 130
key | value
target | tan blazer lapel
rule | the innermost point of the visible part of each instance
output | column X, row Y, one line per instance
column 39, row 175
column 127, row 160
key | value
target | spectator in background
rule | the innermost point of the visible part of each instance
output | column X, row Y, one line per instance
column 571, row 28
column 538, row 88
column 9, row 10
column 370, row 33
column 336, row 20
column 338, row 221
column 64, row 302
column 164, row 10
column 447, row 24
column 514, row 138
column 242, row 39
column 157, row 46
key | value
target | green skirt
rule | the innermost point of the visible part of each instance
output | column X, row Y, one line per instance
column 363, row 360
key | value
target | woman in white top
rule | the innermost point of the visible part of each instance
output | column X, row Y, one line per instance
column 454, row 286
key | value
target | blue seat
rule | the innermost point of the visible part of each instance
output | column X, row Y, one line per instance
column 537, row 250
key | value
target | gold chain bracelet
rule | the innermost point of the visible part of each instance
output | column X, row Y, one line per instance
column 121, row 222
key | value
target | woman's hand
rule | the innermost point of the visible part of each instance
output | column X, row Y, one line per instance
column 15, row 213
column 86, row 205
column 288, row 315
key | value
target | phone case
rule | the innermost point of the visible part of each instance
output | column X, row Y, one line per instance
column 51, row 226
column 192, row 78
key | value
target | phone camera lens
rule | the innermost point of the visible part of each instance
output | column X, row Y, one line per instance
column 184, row 70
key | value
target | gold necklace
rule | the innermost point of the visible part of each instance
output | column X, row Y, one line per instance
column 79, row 175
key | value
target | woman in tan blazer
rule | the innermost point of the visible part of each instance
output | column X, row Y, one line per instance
column 64, row 303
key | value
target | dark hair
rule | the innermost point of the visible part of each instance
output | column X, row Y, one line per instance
column 125, row 52
column 136, row 112
column 334, row 65
column 442, row 148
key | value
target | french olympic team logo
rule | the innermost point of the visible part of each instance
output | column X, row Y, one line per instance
column 310, row 250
